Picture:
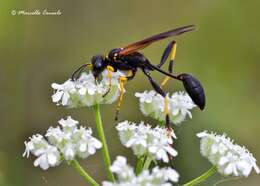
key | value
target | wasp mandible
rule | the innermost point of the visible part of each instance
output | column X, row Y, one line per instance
column 129, row 59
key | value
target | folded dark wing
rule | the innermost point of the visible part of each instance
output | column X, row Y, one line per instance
column 146, row 42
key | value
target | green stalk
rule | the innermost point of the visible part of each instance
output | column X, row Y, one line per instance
column 139, row 165
column 104, row 149
column 202, row 177
column 83, row 173
column 147, row 163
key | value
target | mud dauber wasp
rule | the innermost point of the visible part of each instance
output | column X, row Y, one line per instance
column 129, row 59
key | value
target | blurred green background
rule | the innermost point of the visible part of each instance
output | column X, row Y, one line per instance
column 36, row 51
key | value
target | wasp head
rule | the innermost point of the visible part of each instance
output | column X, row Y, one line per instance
column 98, row 65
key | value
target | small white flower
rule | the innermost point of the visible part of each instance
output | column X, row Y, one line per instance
column 165, row 174
column 126, row 177
column 56, row 136
column 230, row 158
column 144, row 140
column 49, row 158
column 68, row 125
column 85, row 91
column 69, row 151
column 86, row 145
column 152, row 104
column 35, row 144
column 180, row 105
column 63, row 91
column 66, row 140
column 47, row 155
column 124, row 171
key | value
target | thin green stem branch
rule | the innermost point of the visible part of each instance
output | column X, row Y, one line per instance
column 139, row 165
column 147, row 163
column 104, row 149
column 83, row 173
column 202, row 177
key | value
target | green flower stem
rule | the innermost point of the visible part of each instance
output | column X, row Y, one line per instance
column 104, row 149
column 83, row 173
column 139, row 165
column 147, row 163
column 202, row 177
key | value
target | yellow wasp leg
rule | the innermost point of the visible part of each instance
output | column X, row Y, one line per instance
column 110, row 71
column 121, row 80
column 166, row 106
column 166, row 111
column 172, row 57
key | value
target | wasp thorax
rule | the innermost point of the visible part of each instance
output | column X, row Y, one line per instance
column 113, row 54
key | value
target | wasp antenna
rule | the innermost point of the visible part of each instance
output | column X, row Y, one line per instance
column 77, row 72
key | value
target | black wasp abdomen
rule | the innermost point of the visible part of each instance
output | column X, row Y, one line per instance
column 194, row 89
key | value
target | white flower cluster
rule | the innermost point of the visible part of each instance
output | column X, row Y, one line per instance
column 126, row 176
column 85, row 91
column 48, row 155
column 152, row 104
column 67, row 141
column 144, row 140
column 230, row 158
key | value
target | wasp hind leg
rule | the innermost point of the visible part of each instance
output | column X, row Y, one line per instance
column 160, row 91
column 169, row 51
column 76, row 74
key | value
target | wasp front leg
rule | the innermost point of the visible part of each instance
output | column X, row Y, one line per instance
column 110, row 71
column 121, row 80
column 169, row 51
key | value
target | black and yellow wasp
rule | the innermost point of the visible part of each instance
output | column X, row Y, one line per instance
column 129, row 59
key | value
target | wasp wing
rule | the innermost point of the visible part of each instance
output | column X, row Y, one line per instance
column 146, row 42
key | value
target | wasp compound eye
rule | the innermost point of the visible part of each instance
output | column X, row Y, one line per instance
column 97, row 61
column 194, row 89
column 98, row 65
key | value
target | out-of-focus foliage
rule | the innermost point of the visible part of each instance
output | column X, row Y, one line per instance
column 38, row 50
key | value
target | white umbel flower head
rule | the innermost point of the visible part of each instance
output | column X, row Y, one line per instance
column 73, row 141
column 67, row 140
column 126, row 177
column 152, row 104
column 85, row 91
column 229, row 158
column 144, row 140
